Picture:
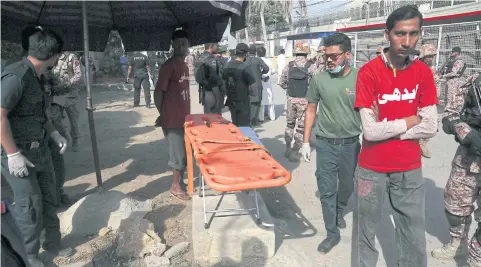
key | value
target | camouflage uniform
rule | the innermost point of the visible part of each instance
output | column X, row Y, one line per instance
column 63, row 96
column 454, row 93
column 461, row 191
column 428, row 50
column 66, row 75
column 296, row 108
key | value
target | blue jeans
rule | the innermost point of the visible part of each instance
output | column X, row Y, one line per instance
column 405, row 191
column 336, row 163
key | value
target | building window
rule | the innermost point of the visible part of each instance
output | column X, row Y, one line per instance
column 373, row 8
column 364, row 12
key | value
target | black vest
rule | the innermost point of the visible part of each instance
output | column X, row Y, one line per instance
column 28, row 117
column 471, row 113
column 298, row 80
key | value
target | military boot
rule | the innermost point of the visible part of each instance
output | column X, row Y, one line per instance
column 288, row 152
column 75, row 147
column 65, row 201
column 455, row 247
column 424, row 148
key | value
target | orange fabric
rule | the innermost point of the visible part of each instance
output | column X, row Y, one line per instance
column 228, row 160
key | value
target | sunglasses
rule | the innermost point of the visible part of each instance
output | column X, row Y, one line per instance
column 332, row 56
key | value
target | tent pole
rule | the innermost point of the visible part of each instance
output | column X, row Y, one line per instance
column 90, row 109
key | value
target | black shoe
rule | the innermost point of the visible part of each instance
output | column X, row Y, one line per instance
column 341, row 223
column 148, row 105
column 327, row 244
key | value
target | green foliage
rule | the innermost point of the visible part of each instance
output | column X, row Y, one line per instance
column 113, row 52
column 273, row 13
column 10, row 50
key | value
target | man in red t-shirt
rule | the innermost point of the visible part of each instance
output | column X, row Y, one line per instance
column 172, row 99
column 396, row 96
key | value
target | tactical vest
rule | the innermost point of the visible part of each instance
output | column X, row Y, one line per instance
column 64, row 67
column 471, row 113
column 202, row 75
column 298, row 80
column 450, row 65
column 28, row 116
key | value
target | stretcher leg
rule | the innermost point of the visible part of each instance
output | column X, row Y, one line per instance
column 190, row 166
column 203, row 200
column 258, row 219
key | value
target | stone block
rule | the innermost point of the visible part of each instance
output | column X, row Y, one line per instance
column 231, row 237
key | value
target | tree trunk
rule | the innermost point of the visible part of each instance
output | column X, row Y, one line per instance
column 263, row 25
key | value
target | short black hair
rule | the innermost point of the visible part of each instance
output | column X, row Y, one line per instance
column 261, row 51
column 403, row 13
column 282, row 51
column 209, row 45
column 26, row 33
column 43, row 45
column 179, row 34
column 252, row 49
column 340, row 39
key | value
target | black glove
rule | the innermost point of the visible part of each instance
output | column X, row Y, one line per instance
column 449, row 122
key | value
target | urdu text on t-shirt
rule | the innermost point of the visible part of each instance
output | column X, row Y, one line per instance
column 398, row 94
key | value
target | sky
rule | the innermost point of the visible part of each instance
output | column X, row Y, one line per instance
column 322, row 7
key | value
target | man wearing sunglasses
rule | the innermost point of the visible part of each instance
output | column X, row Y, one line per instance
column 337, row 134
column 396, row 97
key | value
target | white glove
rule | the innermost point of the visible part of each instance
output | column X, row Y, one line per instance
column 17, row 164
column 306, row 152
column 59, row 140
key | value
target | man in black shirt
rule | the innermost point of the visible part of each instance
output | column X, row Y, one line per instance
column 139, row 64
column 240, row 85
column 257, row 67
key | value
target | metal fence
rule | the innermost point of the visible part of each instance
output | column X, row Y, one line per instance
column 465, row 35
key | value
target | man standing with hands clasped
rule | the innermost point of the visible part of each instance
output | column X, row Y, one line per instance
column 396, row 96
column 337, row 134
column 25, row 129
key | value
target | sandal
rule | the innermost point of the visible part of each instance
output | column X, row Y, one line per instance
column 180, row 195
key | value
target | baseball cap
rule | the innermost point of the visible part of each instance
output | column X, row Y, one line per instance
column 457, row 49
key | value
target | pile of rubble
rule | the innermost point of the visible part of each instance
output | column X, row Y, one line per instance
column 125, row 238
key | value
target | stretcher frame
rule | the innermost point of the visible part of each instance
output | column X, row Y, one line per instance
column 203, row 185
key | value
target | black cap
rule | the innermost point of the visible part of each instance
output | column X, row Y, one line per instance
column 241, row 48
column 457, row 49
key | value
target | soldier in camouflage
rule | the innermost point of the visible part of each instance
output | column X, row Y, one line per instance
column 295, row 79
column 462, row 188
column 452, row 72
column 67, row 75
column 427, row 54
column 63, row 96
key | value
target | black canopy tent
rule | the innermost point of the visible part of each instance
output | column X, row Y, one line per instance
column 142, row 25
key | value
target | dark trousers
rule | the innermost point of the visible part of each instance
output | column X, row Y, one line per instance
column 144, row 82
column 405, row 192
column 58, row 167
column 35, row 199
column 254, row 114
column 240, row 114
column 336, row 163
column 213, row 101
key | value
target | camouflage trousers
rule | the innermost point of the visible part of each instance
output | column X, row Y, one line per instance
column 72, row 110
column 454, row 99
column 295, row 113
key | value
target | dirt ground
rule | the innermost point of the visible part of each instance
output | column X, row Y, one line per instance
column 133, row 160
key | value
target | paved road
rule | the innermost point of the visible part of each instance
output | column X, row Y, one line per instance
column 295, row 207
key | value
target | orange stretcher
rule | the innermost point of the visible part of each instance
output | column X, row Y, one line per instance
column 228, row 160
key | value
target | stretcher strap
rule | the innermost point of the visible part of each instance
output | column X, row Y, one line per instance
column 245, row 141
column 231, row 149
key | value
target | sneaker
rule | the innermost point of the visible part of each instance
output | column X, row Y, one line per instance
column 456, row 247
column 327, row 244
column 66, row 201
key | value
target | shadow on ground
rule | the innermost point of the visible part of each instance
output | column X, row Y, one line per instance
column 253, row 246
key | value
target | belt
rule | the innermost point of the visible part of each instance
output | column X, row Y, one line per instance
column 340, row 141
column 31, row 145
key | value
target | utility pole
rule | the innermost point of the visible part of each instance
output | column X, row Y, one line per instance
column 366, row 3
